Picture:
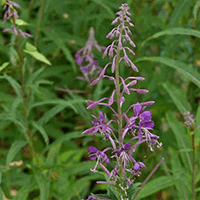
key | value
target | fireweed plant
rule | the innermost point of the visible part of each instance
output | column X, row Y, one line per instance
column 85, row 58
column 138, row 123
column 10, row 13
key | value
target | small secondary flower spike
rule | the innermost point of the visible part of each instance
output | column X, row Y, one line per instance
column 11, row 13
column 85, row 58
column 136, row 121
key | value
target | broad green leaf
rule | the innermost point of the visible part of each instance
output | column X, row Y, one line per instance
column 31, row 50
column 44, row 186
column 54, row 36
column 175, row 31
column 181, row 181
column 50, row 114
column 182, row 140
column 21, row 22
column 71, row 156
column 30, row 47
column 15, row 148
column 2, row 67
column 42, row 131
column 155, row 186
column 185, row 69
column 179, row 97
column 64, row 138
column 196, row 8
column 16, row 86
column 81, row 168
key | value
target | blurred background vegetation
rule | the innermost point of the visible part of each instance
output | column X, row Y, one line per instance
column 60, row 168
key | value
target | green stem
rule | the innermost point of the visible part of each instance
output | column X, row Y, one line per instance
column 119, row 111
column 27, row 131
column 118, row 91
column 37, row 33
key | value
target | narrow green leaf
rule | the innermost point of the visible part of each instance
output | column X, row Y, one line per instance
column 175, row 31
column 179, row 97
column 14, row 107
column 70, row 103
column 42, row 131
column 181, row 181
column 16, row 86
column 15, row 148
column 155, row 185
column 182, row 140
column 3, row 66
column 44, row 185
column 31, row 50
column 196, row 8
column 185, row 69
column 32, row 78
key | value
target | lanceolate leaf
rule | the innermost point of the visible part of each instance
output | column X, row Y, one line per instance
column 182, row 140
column 2, row 67
column 196, row 8
column 15, row 148
column 155, row 185
column 31, row 50
column 34, row 76
column 44, row 185
column 16, row 86
column 175, row 31
column 185, row 69
column 179, row 97
column 42, row 131
column 181, row 180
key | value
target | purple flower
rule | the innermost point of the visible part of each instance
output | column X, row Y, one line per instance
column 100, row 156
column 85, row 58
column 11, row 13
column 126, row 168
column 189, row 119
column 137, row 167
column 100, row 126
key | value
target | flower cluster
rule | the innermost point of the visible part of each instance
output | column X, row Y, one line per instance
column 11, row 13
column 136, row 121
column 189, row 119
column 85, row 58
